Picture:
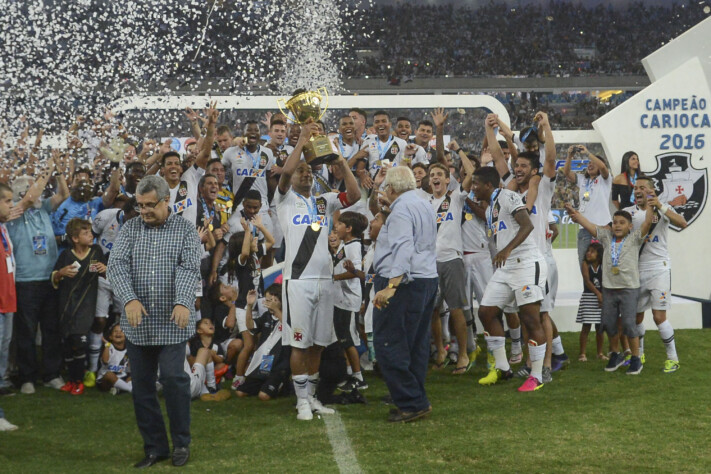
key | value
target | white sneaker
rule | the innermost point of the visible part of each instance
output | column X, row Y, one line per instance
column 28, row 388
column 113, row 391
column 304, row 410
column 317, row 407
column 6, row 425
column 236, row 382
column 56, row 383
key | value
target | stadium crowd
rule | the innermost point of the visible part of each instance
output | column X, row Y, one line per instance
column 73, row 221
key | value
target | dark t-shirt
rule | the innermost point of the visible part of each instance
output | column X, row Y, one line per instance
column 77, row 296
column 249, row 277
column 195, row 343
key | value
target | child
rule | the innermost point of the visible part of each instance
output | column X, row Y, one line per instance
column 205, row 363
column 590, row 307
column 113, row 375
column 76, row 276
column 223, row 314
column 620, row 281
column 269, row 370
column 347, row 291
column 243, row 269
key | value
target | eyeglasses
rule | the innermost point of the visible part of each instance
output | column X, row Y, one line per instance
column 149, row 205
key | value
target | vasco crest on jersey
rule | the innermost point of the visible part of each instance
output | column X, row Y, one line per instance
column 680, row 185
column 321, row 205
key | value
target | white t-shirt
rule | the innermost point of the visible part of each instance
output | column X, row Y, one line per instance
column 347, row 293
column 595, row 198
column 655, row 253
column 474, row 237
column 549, row 234
column 245, row 164
column 307, row 256
column 504, row 227
column 540, row 210
column 392, row 149
column 107, row 225
column 184, row 197
column 449, row 224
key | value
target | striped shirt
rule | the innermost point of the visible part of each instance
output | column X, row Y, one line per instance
column 160, row 267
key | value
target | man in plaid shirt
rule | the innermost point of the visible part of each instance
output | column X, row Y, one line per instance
column 154, row 269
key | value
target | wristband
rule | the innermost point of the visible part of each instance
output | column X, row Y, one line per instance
column 664, row 208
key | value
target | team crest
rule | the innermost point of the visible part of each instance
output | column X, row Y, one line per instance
column 680, row 185
column 495, row 213
column 183, row 191
column 321, row 206
column 298, row 335
column 445, row 205
column 263, row 160
column 340, row 254
column 394, row 150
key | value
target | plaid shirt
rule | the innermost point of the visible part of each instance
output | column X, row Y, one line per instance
column 160, row 267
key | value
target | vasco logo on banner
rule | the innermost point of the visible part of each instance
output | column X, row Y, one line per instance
column 680, row 185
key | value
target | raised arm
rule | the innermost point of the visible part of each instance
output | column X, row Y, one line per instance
column 508, row 135
column 578, row 218
column 439, row 118
column 206, row 149
column 494, row 148
column 676, row 219
column 307, row 130
column 194, row 122
column 604, row 172
column 544, row 126
column 569, row 174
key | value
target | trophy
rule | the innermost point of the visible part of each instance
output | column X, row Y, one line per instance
column 305, row 105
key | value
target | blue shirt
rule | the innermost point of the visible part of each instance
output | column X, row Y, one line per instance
column 70, row 209
column 34, row 245
column 160, row 267
column 407, row 242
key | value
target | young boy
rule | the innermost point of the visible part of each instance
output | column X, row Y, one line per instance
column 113, row 372
column 223, row 314
column 76, row 276
column 348, row 292
column 269, row 370
column 620, row 280
column 204, row 362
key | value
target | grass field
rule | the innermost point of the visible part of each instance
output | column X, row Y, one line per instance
column 585, row 421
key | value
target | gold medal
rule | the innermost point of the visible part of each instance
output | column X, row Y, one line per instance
column 468, row 216
column 615, row 270
column 488, row 233
column 228, row 204
column 210, row 227
column 586, row 196
column 316, row 226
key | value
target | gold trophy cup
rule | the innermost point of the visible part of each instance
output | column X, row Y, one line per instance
column 305, row 105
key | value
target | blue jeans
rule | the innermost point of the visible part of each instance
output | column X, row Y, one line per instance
column 145, row 362
column 37, row 303
column 5, row 338
column 401, row 335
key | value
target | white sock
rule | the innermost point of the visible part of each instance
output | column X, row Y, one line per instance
column 557, row 346
column 239, row 378
column 515, row 340
column 210, row 375
column 666, row 332
column 445, row 327
column 312, row 384
column 497, row 346
column 641, row 331
column 537, row 353
column 301, row 383
column 123, row 385
column 349, row 370
column 358, row 375
column 94, row 350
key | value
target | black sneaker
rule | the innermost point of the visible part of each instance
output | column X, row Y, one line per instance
column 635, row 366
column 615, row 362
column 354, row 384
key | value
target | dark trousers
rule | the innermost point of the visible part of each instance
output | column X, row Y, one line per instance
column 145, row 361
column 401, row 334
column 37, row 302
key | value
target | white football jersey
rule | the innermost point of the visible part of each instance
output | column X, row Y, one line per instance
column 655, row 251
column 106, row 226
column 184, row 197
column 449, row 224
column 393, row 149
column 504, row 227
column 347, row 293
column 307, row 255
column 245, row 164
column 474, row 237
column 540, row 210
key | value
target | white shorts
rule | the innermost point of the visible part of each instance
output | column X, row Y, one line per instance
column 104, row 297
column 520, row 284
column 307, row 313
column 654, row 290
column 479, row 270
column 225, row 344
column 197, row 380
column 551, row 285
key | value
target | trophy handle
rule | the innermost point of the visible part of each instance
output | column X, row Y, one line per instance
column 324, row 93
column 279, row 102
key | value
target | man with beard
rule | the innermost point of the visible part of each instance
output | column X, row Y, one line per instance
column 308, row 301
column 360, row 119
column 82, row 203
column 35, row 251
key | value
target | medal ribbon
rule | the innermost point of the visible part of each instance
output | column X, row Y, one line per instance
column 255, row 161
column 382, row 151
column 490, row 211
column 312, row 208
column 615, row 251
column 206, row 211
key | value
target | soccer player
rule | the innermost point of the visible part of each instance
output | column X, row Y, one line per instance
column 403, row 128
column 360, row 120
column 655, row 267
column 308, row 300
column 520, row 276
